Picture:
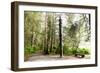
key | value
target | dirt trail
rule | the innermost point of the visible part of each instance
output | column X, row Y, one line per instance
column 38, row 57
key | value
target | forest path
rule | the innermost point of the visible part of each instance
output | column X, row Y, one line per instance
column 38, row 57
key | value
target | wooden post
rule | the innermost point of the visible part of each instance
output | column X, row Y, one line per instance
column 60, row 37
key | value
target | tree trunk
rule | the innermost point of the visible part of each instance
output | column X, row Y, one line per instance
column 46, row 36
column 60, row 37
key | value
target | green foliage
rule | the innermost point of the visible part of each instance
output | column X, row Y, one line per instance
column 67, row 51
column 30, row 50
column 73, row 51
column 83, row 51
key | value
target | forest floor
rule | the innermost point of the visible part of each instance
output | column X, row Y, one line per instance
column 38, row 57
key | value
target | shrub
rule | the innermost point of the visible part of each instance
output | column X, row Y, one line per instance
column 84, row 51
column 73, row 51
column 30, row 50
column 67, row 51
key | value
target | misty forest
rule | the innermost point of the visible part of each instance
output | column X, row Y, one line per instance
column 54, row 35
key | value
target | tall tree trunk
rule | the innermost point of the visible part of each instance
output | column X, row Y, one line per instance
column 52, row 23
column 54, row 33
column 46, row 36
column 60, row 37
